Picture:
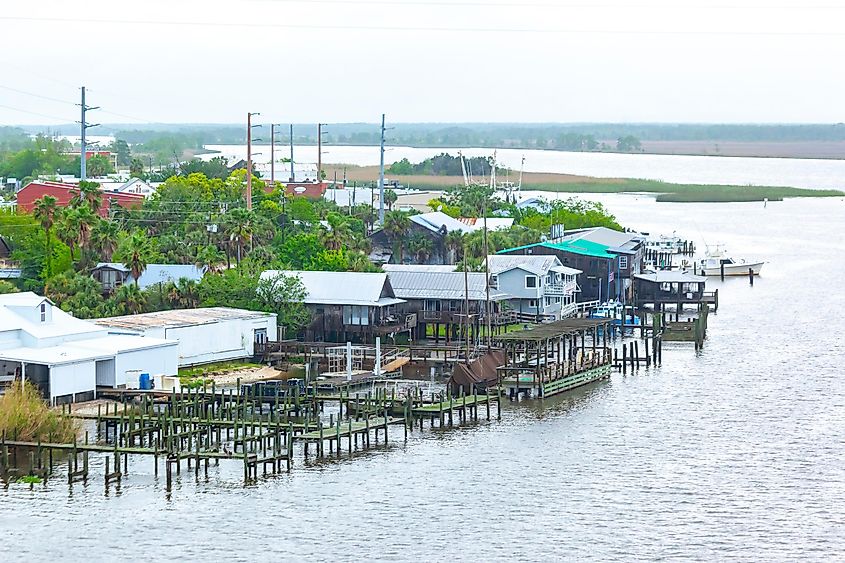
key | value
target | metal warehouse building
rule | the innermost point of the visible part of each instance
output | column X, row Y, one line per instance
column 205, row 335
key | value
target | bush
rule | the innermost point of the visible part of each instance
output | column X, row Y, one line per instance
column 26, row 417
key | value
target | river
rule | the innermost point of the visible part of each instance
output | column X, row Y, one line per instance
column 741, row 171
column 735, row 452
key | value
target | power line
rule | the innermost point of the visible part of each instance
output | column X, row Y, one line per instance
column 36, row 113
column 37, row 95
column 560, row 31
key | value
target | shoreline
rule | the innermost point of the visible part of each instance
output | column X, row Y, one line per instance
column 570, row 183
column 650, row 152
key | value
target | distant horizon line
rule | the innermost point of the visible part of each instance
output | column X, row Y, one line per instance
column 450, row 123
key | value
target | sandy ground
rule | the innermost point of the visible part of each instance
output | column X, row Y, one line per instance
column 247, row 375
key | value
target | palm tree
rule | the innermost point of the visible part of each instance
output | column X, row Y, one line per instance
column 421, row 246
column 239, row 224
column 358, row 262
column 338, row 234
column 45, row 213
column 396, row 225
column 188, row 293
column 135, row 250
column 88, row 194
column 455, row 244
column 129, row 299
column 104, row 238
column 85, row 220
column 209, row 258
column 67, row 228
column 390, row 198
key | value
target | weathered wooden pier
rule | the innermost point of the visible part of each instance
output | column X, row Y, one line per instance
column 200, row 426
column 552, row 358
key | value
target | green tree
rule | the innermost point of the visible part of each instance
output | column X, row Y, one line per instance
column 87, row 194
column 396, row 225
column 239, row 226
column 390, row 198
column 628, row 143
column 209, row 258
column 45, row 212
column 129, row 299
column 285, row 296
column 76, row 293
column 99, row 165
column 454, row 242
column 135, row 251
column 104, row 237
column 421, row 246
column 136, row 168
column 6, row 287
column 121, row 148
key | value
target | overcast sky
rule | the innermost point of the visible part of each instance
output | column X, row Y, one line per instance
column 424, row 60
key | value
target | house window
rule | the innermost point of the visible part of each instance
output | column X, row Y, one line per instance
column 532, row 303
column 530, row 281
column 43, row 312
column 356, row 315
column 623, row 262
column 494, row 281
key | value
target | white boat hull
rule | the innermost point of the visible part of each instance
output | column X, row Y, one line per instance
column 734, row 269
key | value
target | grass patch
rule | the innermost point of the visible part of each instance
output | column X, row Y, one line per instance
column 568, row 183
column 218, row 367
column 26, row 417
column 686, row 192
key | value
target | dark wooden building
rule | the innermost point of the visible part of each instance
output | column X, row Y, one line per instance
column 349, row 306
column 439, row 297
column 668, row 287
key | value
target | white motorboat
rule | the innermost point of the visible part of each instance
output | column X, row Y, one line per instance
column 666, row 244
column 711, row 264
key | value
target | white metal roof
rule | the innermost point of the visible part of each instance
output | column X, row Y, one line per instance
column 566, row 270
column 442, row 285
column 372, row 289
column 105, row 347
column 179, row 318
column 419, row 267
column 605, row 236
column 537, row 264
column 436, row 220
column 670, row 276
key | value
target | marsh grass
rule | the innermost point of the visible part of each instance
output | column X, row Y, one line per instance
column 26, row 417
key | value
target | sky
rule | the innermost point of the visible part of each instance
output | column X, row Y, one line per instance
column 212, row 61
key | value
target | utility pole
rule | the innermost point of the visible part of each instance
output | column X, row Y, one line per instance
column 272, row 155
column 381, row 177
column 249, row 159
column 292, row 175
column 319, row 152
column 487, row 250
column 84, row 125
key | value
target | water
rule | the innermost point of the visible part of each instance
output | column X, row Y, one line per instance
column 792, row 172
column 736, row 452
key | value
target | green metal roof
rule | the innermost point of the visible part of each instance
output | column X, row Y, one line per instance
column 585, row 247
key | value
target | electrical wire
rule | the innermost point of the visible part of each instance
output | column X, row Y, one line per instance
column 38, row 95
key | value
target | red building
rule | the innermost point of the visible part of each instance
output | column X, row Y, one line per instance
column 65, row 192
column 311, row 190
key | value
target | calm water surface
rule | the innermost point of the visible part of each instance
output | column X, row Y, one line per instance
column 737, row 452
column 794, row 172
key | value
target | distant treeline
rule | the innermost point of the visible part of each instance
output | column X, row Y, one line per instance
column 169, row 138
column 443, row 165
